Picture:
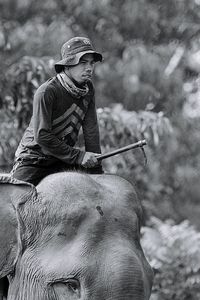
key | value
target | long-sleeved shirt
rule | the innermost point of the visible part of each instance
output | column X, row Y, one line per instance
column 55, row 123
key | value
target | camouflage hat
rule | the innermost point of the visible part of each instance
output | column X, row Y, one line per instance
column 73, row 50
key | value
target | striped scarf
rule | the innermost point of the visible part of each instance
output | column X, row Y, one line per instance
column 68, row 84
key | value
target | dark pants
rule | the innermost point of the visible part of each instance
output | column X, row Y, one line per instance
column 33, row 170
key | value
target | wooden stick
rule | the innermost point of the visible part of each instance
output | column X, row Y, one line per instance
column 120, row 150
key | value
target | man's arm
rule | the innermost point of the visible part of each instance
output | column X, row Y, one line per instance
column 42, row 123
column 91, row 129
column 91, row 134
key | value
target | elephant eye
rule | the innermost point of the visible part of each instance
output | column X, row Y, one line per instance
column 67, row 289
column 73, row 285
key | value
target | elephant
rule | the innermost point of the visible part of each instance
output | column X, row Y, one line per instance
column 74, row 236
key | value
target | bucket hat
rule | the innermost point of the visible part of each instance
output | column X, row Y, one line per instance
column 73, row 50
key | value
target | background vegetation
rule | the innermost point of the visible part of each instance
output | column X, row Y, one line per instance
column 147, row 87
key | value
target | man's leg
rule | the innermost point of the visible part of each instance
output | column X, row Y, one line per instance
column 33, row 170
column 32, row 173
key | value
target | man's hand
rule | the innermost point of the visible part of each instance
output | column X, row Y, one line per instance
column 90, row 160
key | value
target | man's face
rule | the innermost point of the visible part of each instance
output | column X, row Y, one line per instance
column 82, row 72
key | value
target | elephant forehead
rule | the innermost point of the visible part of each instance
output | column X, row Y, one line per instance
column 62, row 257
column 87, row 231
column 113, row 260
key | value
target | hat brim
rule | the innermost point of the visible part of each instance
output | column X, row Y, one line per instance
column 73, row 60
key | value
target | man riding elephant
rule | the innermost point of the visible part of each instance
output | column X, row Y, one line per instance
column 61, row 106
column 74, row 236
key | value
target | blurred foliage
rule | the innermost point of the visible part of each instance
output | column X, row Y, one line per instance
column 147, row 87
column 119, row 126
column 10, row 136
column 138, row 40
column 20, row 83
column 174, row 253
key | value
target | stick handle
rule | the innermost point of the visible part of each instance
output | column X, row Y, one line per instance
column 120, row 150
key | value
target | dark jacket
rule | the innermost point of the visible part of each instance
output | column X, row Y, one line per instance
column 55, row 124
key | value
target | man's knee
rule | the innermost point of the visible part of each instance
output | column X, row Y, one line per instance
column 27, row 173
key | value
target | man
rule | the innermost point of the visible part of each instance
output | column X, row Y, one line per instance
column 61, row 106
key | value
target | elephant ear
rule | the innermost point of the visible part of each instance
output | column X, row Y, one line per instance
column 12, row 193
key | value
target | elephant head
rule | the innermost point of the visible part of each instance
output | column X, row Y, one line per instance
column 74, row 236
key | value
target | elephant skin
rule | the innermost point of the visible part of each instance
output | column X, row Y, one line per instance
column 74, row 236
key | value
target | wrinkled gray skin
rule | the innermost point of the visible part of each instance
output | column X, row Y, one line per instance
column 75, row 236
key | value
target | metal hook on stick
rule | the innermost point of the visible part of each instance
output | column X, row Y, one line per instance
column 123, row 149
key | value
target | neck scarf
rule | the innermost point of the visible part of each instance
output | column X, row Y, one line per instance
column 69, row 85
